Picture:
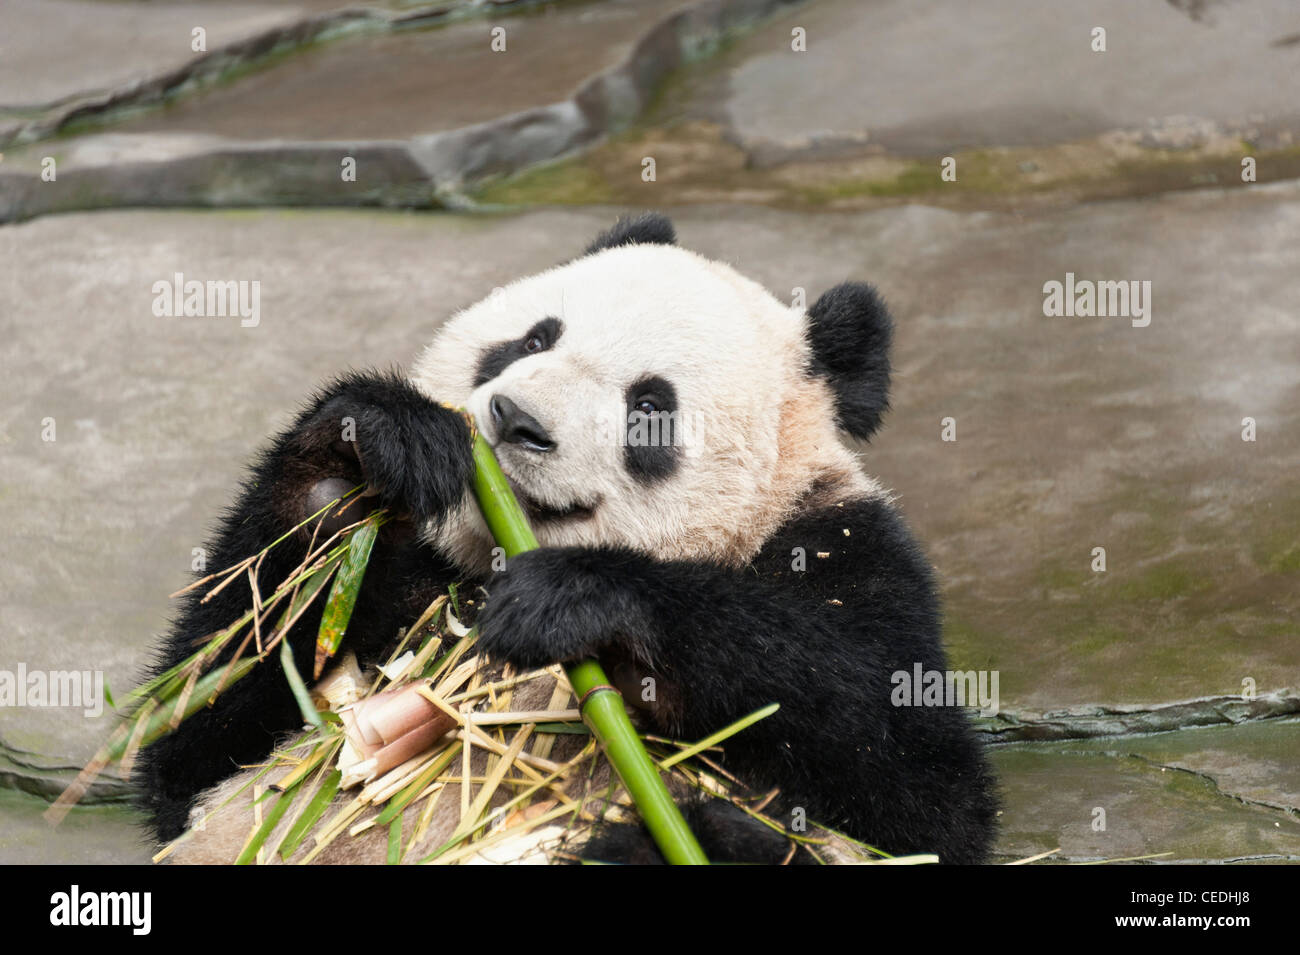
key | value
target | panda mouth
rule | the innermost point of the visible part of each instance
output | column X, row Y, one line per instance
column 544, row 513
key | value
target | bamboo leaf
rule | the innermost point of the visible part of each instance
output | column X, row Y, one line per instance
column 157, row 722
column 343, row 594
column 300, row 692
column 722, row 734
column 400, row 801
column 572, row 729
column 312, row 586
column 395, row 841
column 316, row 807
column 272, row 818
column 322, row 750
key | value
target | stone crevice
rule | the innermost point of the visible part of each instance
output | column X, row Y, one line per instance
column 1118, row 721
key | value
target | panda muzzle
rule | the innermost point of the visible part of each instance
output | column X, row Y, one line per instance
column 516, row 426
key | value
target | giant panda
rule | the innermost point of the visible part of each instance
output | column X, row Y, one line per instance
column 673, row 559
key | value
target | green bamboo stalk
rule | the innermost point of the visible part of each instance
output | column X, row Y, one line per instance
column 602, row 705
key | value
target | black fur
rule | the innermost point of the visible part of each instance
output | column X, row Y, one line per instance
column 822, row 642
column 651, row 452
column 850, row 331
column 733, row 837
column 414, row 454
column 500, row 357
column 649, row 228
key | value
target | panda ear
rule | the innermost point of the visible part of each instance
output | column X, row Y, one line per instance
column 649, row 228
column 850, row 331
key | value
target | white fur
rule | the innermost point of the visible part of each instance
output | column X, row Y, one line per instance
column 760, row 431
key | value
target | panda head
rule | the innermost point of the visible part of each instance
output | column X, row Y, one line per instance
column 644, row 396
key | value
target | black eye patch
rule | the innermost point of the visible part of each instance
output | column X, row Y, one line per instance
column 542, row 337
column 653, row 439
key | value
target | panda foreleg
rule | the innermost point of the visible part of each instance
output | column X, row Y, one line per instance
column 718, row 643
column 414, row 457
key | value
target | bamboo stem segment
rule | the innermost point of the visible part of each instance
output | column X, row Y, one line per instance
column 601, row 705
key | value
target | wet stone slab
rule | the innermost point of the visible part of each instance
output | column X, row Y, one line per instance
column 55, row 49
column 928, row 77
column 1220, row 794
column 101, row 835
column 401, row 84
column 243, row 127
column 1070, row 434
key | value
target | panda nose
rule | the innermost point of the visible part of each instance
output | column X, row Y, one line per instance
column 516, row 426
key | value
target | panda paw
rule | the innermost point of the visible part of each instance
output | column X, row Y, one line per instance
column 557, row 605
column 412, row 452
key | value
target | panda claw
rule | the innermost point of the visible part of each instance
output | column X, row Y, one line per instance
column 413, row 453
column 552, row 606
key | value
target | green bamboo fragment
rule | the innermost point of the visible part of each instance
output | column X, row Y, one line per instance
column 343, row 594
column 723, row 734
column 300, row 692
column 158, row 722
column 601, row 705
column 399, row 802
column 315, row 809
column 395, row 841
column 269, row 822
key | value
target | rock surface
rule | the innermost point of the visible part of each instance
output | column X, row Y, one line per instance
column 1071, row 434
column 1158, row 696
column 100, row 46
column 927, row 77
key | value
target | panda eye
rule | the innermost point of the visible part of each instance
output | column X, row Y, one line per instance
column 646, row 406
column 497, row 358
column 541, row 337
